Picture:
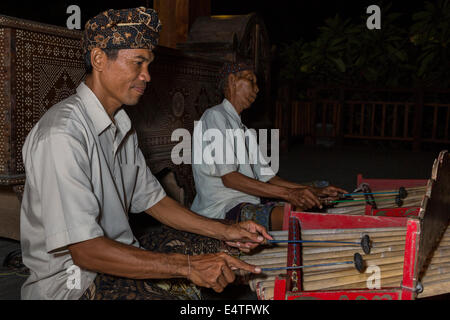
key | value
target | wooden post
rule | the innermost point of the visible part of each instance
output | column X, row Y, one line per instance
column 177, row 16
column 284, row 116
column 417, row 133
column 311, row 139
column 166, row 14
column 198, row 8
column 340, row 118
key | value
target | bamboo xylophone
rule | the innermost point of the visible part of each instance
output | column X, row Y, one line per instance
column 387, row 253
column 409, row 257
column 383, row 201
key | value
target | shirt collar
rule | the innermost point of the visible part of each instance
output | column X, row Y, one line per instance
column 98, row 114
column 229, row 108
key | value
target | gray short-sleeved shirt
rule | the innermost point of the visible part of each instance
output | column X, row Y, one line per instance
column 213, row 199
column 84, row 174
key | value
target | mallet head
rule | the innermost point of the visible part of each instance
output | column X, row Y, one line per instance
column 402, row 193
column 359, row 262
column 398, row 201
column 365, row 244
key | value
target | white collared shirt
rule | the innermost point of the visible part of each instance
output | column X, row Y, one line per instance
column 84, row 174
column 213, row 199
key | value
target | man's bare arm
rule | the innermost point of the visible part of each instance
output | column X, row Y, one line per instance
column 209, row 270
column 170, row 213
column 301, row 197
column 238, row 181
column 104, row 255
column 284, row 183
column 111, row 257
column 326, row 191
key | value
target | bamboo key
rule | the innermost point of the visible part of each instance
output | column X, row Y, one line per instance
column 364, row 243
column 401, row 194
column 357, row 261
column 410, row 197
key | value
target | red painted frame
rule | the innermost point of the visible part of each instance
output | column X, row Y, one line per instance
column 294, row 221
column 393, row 212
column 387, row 184
column 369, row 211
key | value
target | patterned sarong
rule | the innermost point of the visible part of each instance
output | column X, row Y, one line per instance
column 165, row 240
column 259, row 213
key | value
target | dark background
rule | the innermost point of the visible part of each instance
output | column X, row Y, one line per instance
column 285, row 20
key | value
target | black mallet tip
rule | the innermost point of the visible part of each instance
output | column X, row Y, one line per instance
column 359, row 262
column 365, row 244
column 398, row 201
column 402, row 193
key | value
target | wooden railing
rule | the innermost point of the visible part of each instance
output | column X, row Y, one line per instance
column 379, row 120
column 339, row 119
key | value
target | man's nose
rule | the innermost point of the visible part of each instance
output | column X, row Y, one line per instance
column 145, row 75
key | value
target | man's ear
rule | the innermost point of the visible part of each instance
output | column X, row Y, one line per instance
column 98, row 59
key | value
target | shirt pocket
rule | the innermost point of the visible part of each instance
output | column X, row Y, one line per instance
column 129, row 177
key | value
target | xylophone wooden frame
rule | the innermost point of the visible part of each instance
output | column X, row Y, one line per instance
column 284, row 287
column 418, row 244
column 384, row 184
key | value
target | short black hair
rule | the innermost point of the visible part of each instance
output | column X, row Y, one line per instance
column 110, row 53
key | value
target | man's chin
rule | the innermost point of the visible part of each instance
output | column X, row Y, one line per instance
column 248, row 106
column 133, row 102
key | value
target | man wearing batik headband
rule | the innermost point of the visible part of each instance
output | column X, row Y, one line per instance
column 86, row 173
column 235, row 190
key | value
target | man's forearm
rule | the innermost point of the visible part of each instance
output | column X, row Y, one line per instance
column 104, row 255
column 284, row 183
column 171, row 213
column 238, row 181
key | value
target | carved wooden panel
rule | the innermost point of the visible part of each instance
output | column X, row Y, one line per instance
column 41, row 65
column 5, row 153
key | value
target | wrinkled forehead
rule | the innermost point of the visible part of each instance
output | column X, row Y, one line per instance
column 142, row 54
column 247, row 73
